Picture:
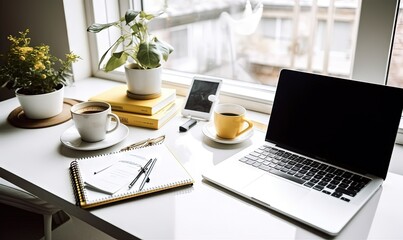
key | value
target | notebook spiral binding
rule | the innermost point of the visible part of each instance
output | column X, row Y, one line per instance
column 78, row 184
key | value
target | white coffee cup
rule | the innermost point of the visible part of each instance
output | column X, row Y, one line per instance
column 92, row 120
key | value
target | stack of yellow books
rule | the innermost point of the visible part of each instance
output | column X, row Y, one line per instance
column 150, row 113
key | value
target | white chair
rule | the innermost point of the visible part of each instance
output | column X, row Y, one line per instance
column 14, row 196
column 245, row 25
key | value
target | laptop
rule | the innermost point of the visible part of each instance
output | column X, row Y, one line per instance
column 326, row 152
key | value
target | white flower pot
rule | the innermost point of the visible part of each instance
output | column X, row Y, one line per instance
column 42, row 106
column 143, row 82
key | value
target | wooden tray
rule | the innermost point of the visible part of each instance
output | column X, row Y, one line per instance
column 17, row 117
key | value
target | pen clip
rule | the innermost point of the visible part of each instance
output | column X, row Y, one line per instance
column 147, row 173
column 141, row 171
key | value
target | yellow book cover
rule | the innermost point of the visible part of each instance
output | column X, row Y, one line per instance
column 155, row 121
column 119, row 101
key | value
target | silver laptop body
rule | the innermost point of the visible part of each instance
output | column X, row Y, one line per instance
column 318, row 123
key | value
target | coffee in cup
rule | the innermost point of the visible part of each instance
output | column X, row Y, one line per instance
column 92, row 120
column 230, row 121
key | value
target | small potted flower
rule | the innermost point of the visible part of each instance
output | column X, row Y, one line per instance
column 37, row 77
column 141, row 52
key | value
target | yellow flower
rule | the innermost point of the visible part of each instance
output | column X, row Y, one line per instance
column 25, row 50
column 39, row 66
column 71, row 57
column 33, row 66
column 41, row 55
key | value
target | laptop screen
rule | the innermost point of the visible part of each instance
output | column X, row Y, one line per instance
column 343, row 122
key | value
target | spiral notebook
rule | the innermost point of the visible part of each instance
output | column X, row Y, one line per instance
column 106, row 178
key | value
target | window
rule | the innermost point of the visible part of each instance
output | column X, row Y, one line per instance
column 307, row 36
column 210, row 38
column 396, row 66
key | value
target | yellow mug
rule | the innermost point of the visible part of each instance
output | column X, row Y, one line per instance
column 230, row 121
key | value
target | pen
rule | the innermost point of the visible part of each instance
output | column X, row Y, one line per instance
column 96, row 172
column 141, row 171
column 147, row 174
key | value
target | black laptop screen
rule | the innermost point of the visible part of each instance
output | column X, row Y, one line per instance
column 339, row 121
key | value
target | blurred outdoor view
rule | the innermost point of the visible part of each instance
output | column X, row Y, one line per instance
column 252, row 40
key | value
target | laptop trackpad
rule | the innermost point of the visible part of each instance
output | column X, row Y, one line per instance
column 276, row 192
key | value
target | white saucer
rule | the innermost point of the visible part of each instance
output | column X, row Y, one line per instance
column 71, row 139
column 209, row 131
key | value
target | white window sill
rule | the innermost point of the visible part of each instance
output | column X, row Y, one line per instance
column 254, row 97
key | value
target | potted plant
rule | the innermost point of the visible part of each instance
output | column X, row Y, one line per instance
column 141, row 52
column 30, row 71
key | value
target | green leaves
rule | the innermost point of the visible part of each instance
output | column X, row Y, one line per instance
column 97, row 27
column 115, row 61
column 130, row 16
column 164, row 48
column 150, row 53
column 135, row 42
column 112, row 48
column 138, row 28
column 146, row 16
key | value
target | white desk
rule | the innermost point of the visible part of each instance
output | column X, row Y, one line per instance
column 35, row 160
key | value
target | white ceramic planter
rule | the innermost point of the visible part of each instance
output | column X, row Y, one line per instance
column 143, row 82
column 42, row 106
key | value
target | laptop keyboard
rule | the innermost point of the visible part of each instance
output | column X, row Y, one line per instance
column 307, row 172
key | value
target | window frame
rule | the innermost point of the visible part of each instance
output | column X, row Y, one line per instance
column 376, row 33
column 377, row 25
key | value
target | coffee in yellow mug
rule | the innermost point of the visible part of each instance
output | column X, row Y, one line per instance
column 230, row 121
